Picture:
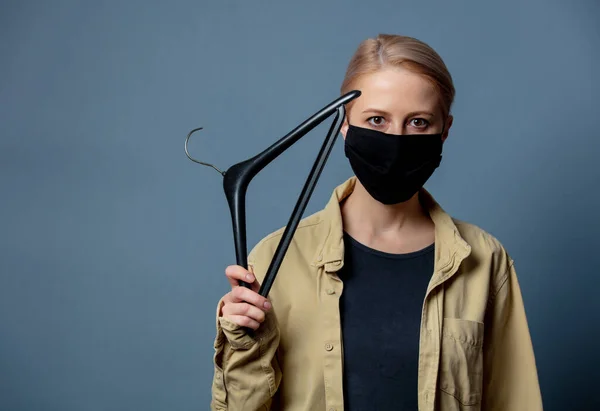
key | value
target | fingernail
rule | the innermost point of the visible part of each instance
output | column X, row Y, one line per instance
column 249, row 277
column 267, row 305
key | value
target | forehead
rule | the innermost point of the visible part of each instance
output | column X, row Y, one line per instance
column 395, row 91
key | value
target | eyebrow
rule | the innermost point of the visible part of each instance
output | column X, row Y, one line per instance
column 385, row 113
column 376, row 111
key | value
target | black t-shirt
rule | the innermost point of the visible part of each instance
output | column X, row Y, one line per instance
column 381, row 306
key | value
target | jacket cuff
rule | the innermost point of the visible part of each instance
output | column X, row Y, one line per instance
column 241, row 338
column 220, row 336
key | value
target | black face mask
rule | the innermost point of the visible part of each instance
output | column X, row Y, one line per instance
column 392, row 167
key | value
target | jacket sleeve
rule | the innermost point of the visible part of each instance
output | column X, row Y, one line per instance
column 510, row 380
column 246, row 370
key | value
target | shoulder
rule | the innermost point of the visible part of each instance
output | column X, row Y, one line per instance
column 309, row 234
column 485, row 248
column 477, row 237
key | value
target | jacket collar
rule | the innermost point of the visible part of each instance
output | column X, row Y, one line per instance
column 450, row 247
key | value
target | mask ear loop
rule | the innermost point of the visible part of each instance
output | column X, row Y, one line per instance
column 444, row 126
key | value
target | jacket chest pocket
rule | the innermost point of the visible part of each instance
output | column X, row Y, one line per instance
column 461, row 365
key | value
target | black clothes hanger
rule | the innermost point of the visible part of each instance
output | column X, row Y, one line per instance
column 237, row 178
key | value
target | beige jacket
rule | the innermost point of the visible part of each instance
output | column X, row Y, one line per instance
column 475, row 350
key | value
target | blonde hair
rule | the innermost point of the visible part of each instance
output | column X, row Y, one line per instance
column 401, row 51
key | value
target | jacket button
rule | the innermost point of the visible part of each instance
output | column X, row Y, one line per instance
column 329, row 346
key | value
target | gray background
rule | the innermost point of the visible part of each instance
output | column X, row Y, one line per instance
column 113, row 244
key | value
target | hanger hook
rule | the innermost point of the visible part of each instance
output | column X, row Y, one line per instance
column 193, row 159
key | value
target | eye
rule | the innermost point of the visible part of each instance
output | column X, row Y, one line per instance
column 376, row 121
column 419, row 123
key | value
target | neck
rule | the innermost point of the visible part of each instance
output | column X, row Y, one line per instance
column 397, row 228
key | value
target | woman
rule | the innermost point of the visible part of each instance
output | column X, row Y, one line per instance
column 383, row 301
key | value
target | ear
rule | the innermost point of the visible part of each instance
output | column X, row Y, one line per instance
column 344, row 128
column 449, row 122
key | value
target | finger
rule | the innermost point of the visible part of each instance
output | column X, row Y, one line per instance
column 254, row 286
column 244, row 321
column 242, row 294
column 236, row 273
column 244, row 309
